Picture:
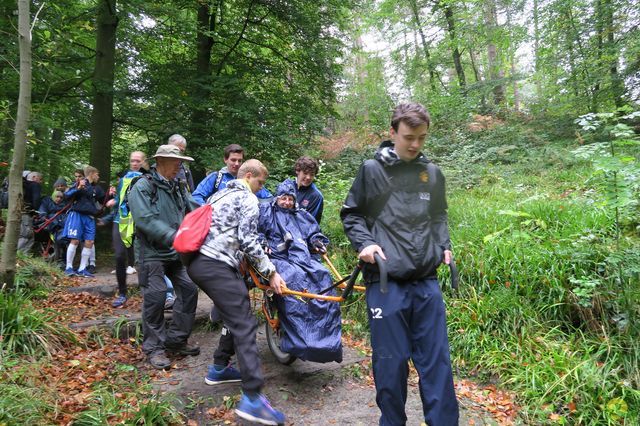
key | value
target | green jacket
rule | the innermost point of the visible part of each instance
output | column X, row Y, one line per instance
column 157, row 213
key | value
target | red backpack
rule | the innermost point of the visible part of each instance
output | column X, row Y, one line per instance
column 193, row 230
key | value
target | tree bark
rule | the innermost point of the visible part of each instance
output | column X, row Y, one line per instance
column 54, row 159
column 14, row 213
column 617, row 85
column 536, row 49
column 512, row 61
column 425, row 46
column 495, row 71
column 102, row 114
column 457, row 57
column 206, row 24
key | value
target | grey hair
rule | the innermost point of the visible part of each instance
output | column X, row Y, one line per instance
column 177, row 140
column 34, row 175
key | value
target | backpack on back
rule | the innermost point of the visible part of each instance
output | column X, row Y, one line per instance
column 193, row 230
column 127, row 227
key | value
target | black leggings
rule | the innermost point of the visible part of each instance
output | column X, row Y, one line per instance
column 224, row 285
column 122, row 254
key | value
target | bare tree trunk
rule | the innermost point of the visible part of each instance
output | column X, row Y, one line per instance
column 8, row 262
column 425, row 45
column 54, row 158
column 206, row 21
column 361, row 78
column 536, row 48
column 457, row 57
column 102, row 114
column 617, row 85
column 406, row 57
column 512, row 60
column 478, row 77
column 495, row 69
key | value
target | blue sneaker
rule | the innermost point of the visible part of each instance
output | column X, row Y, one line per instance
column 85, row 274
column 70, row 272
column 259, row 411
column 219, row 374
column 119, row 301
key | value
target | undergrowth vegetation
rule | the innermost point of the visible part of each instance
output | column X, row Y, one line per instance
column 550, row 269
column 52, row 375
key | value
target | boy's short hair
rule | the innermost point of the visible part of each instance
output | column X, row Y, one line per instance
column 89, row 170
column 78, row 171
column 307, row 165
column 234, row 148
column 253, row 166
column 412, row 114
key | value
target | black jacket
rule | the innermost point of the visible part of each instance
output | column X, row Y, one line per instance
column 32, row 195
column 402, row 207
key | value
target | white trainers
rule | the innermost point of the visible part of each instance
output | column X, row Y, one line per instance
column 113, row 272
column 131, row 270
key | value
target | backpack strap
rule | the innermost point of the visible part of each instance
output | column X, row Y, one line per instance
column 218, row 182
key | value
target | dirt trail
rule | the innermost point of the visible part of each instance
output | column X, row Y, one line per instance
column 308, row 393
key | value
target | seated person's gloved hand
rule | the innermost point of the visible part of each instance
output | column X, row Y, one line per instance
column 319, row 247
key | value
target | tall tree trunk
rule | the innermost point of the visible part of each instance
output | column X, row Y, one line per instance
column 406, row 57
column 361, row 77
column 478, row 77
column 102, row 114
column 512, row 61
column 54, row 159
column 199, row 118
column 495, row 69
column 425, row 46
column 617, row 85
column 457, row 57
column 14, row 213
column 536, row 49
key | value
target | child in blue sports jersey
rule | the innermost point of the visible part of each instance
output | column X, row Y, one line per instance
column 80, row 225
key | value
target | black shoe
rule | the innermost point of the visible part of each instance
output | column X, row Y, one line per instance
column 91, row 268
column 159, row 360
column 185, row 349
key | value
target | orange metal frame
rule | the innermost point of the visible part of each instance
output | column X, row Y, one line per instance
column 286, row 292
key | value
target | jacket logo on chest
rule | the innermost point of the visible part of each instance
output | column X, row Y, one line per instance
column 424, row 177
column 425, row 196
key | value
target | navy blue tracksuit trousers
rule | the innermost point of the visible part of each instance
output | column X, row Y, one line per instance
column 409, row 322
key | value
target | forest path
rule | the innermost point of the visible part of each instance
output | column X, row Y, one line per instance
column 308, row 393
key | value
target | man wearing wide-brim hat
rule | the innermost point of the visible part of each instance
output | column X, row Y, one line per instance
column 158, row 204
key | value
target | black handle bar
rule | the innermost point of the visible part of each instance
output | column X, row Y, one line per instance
column 455, row 277
column 382, row 267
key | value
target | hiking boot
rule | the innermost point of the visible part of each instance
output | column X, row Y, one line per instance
column 168, row 303
column 184, row 349
column 159, row 360
column 119, row 301
column 91, row 269
column 220, row 374
column 85, row 274
column 259, row 411
column 70, row 272
column 131, row 270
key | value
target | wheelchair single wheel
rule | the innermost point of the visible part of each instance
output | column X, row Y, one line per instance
column 273, row 332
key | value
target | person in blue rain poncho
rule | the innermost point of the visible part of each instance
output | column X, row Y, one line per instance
column 312, row 328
